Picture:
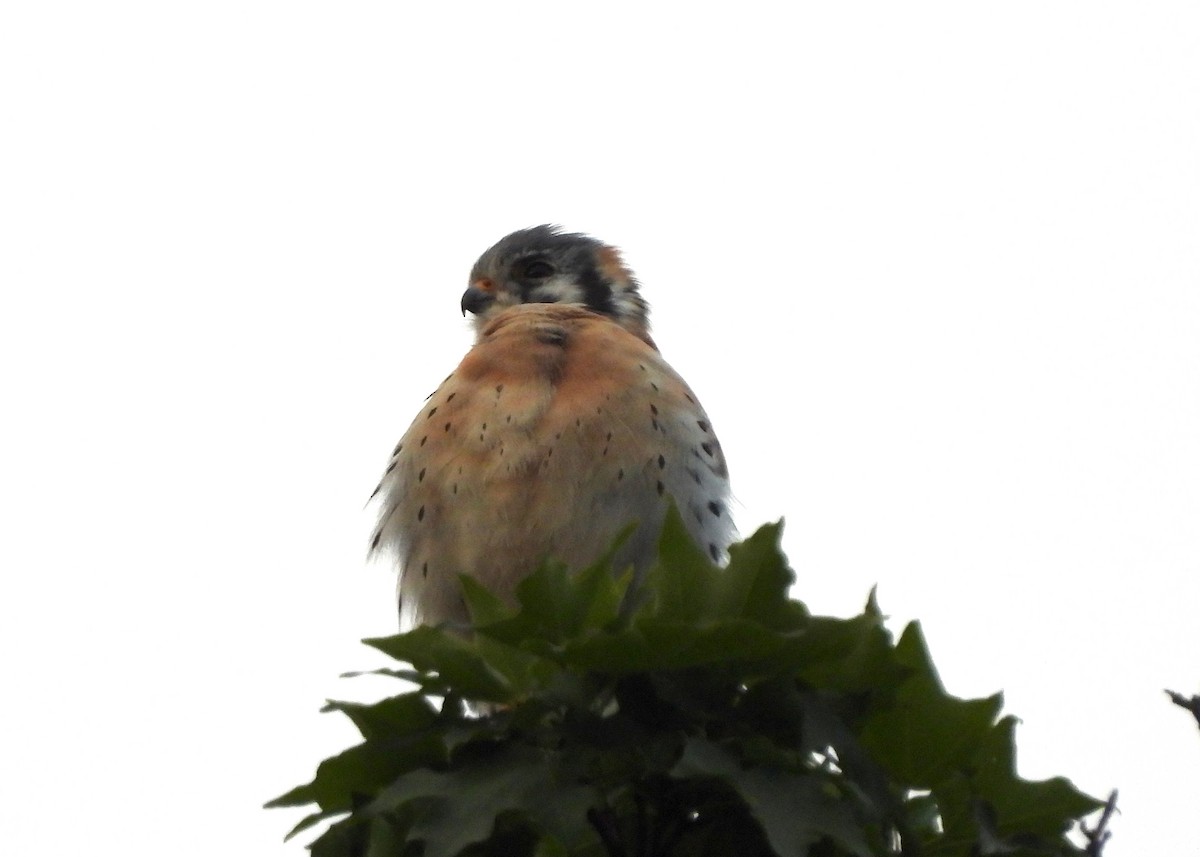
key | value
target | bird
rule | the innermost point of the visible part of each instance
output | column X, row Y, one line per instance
column 561, row 428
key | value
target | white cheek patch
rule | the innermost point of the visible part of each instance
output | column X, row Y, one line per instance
column 557, row 290
column 628, row 304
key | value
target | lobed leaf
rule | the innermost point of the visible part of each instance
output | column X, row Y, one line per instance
column 455, row 659
column 703, row 713
column 928, row 735
column 460, row 806
column 396, row 715
column 794, row 810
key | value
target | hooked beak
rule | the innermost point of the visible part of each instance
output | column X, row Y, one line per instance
column 478, row 296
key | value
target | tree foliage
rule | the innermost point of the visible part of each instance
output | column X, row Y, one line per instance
column 703, row 714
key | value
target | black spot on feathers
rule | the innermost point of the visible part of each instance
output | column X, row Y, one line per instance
column 551, row 335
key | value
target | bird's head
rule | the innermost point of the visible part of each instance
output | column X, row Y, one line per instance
column 546, row 265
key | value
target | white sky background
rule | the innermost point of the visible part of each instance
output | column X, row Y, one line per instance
column 934, row 270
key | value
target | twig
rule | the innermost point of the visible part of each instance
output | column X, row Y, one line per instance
column 1097, row 836
column 1192, row 705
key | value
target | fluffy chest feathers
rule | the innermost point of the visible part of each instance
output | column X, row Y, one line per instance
column 557, row 430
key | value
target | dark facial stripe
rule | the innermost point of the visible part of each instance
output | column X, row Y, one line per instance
column 597, row 293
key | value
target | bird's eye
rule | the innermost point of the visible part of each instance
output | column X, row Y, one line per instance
column 538, row 269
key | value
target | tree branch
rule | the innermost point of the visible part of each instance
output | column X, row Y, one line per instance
column 1192, row 705
column 1097, row 836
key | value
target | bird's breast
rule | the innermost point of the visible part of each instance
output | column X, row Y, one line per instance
column 557, row 430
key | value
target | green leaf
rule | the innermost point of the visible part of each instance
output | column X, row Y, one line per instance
column 386, row 837
column 460, row 806
column 912, row 652
column 683, row 582
column 660, row 644
column 363, row 770
column 454, row 659
column 928, row 735
column 812, row 723
column 756, row 582
column 404, row 675
column 795, row 810
column 955, row 805
column 396, row 715
column 346, row 838
column 921, row 814
column 987, row 806
column 309, row 820
column 852, row 655
column 556, row 605
column 705, row 714
column 524, row 672
column 1044, row 807
column 483, row 606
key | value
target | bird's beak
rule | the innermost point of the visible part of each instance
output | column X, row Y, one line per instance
column 478, row 296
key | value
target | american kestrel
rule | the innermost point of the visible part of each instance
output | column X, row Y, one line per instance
column 562, row 426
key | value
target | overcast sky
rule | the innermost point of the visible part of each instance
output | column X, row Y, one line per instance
column 933, row 270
